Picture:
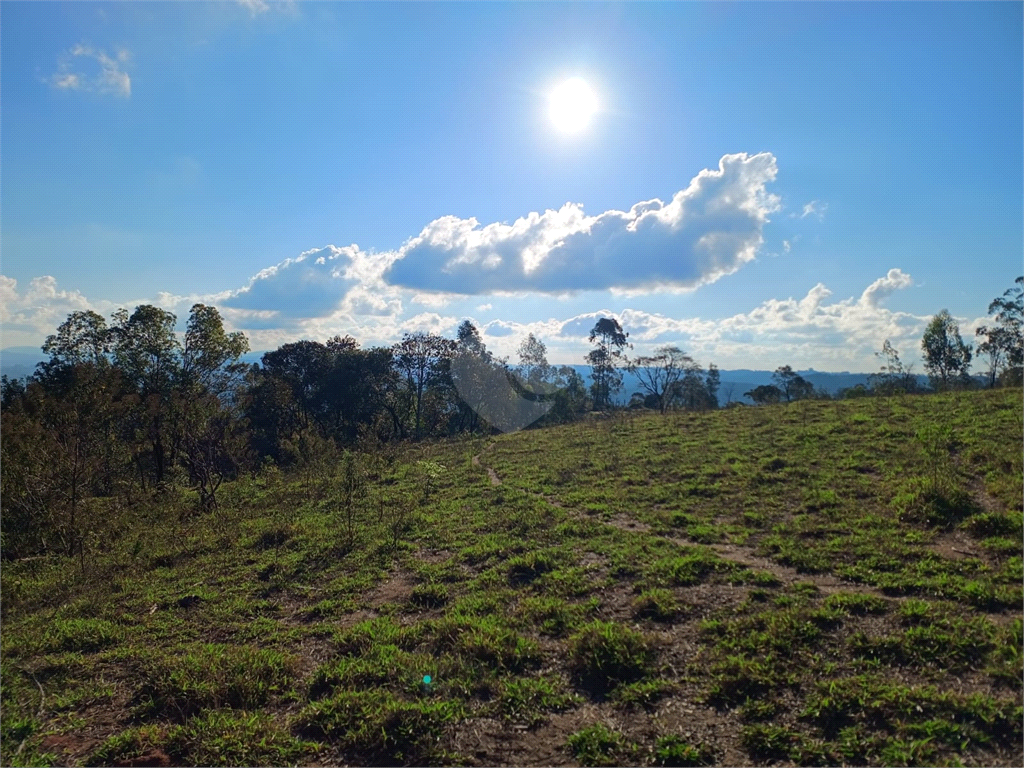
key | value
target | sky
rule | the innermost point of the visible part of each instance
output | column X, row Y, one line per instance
column 760, row 184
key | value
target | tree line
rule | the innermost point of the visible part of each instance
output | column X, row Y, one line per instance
column 947, row 359
column 130, row 407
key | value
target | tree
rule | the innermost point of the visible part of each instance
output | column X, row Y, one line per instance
column 421, row 358
column 658, row 374
column 469, row 340
column 148, row 354
column 212, row 445
column 792, row 385
column 691, row 390
column 302, row 365
column 82, row 338
column 533, row 363
column 53, row 453
column 728, row 390
column 210, row 355
column 894, row 376
column 570, row 399
column 472, row 369
column 610, row 342
column 764, row 394
column 712, row 380
column 1004, row 343
column 947, row 357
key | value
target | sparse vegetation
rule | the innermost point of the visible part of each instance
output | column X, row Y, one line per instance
column 786, row 573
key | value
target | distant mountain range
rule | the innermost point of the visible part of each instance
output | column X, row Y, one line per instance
column 19, row 362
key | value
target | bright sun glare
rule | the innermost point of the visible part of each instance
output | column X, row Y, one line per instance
column 572, row 104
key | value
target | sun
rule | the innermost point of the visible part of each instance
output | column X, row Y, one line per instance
column 572, row 104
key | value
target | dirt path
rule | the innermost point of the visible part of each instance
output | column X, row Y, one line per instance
column 495, row 480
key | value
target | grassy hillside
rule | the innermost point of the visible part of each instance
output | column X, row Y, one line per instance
column 820, row 583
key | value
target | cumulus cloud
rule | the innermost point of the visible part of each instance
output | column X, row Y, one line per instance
column 312, row 284
column 260, row 7
column 31, row 314
column 882, row 287
column 104, row 73
column 707, row 230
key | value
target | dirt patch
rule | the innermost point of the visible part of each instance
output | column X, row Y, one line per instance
column 102, row 721
column 489, row 741
column 396, row 589
column 153, row 757
column 956, row 545
column 433, row 556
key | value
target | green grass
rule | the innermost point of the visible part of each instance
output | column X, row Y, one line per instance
column 606, row 583
column 603, row 655
column 597, row 745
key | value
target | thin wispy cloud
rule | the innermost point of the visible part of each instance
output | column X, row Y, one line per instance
column 260, row 7
column 255, row 7
column 88, row 69
column 813, row 208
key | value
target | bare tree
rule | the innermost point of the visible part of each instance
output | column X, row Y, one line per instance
column 659, row 373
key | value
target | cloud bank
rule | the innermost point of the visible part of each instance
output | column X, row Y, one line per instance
column 806, row 331
column 707, row 230
column 812, row 330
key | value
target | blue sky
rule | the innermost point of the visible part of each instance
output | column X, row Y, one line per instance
column 762, row 184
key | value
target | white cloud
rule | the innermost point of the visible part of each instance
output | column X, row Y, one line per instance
column 813, row 208
column 882, row 287
column 29, row 316
column 806, row 332
column 811, row 330
column 484, row 308
column 255, row 7
column 104, row 75
column 310, row 285
column 707, row 230
column 259, row 7
column 433, row 300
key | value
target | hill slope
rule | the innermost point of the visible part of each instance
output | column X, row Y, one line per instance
column 823, row 583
